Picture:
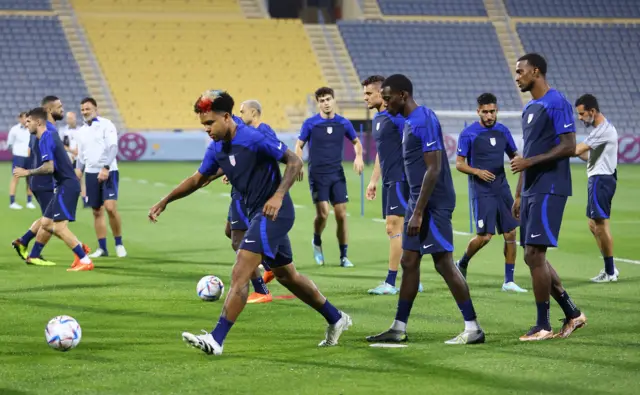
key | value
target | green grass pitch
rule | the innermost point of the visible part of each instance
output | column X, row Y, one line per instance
column 133, row 310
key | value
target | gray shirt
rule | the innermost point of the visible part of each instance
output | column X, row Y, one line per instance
column 603, row 150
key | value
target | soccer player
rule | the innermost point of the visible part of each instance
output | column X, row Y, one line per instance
column 600, row 151
column 97, row 150
column 62, row 208
column 251, row 162
column 325, row 133
column 18, row 142
column 427, row 227
column 387, row 131
column 68, row 137
column 41, row 185
column 481, row 149
column 543, row 187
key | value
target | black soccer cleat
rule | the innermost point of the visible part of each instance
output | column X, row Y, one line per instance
column 389, row 336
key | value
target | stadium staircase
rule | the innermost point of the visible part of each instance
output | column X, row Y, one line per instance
column 253, row 9
column 371, row 9
column 507, row 36
column 335, row 63
column 93, row 78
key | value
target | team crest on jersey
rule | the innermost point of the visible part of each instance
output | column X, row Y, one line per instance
column 378, row 126
column 492, row 140
column 232, row 160
column 530, row 118
column 480, row 224
column 329, row 129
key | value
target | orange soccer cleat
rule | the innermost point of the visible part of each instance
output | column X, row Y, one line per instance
column 81, row 267
column 268, row 276
column 76, row 260
column 260, row 298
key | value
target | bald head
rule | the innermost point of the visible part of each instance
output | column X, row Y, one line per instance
column 250, row 112
column 71, row 120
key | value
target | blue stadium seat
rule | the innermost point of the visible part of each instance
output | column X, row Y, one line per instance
column 574, row 9
column 450, row 63
column 36, row 61
column 433, row 7
column 25, row 5
column 607, row 68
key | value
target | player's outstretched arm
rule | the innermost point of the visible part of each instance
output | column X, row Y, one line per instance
column 184, row 189
column 433, row 159
column 46, row 168
column 291, row 172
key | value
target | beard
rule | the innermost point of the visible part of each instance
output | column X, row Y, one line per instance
column 527, row 87
column 57, row 116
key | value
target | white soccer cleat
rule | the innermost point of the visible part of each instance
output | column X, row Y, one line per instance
column 205, row 342
column 512, row 287
column 334, row 331
column 31, row 206
column 15, row 206
column 98, row 253
column 603, row 277
column 317, row 254
column 121, row 252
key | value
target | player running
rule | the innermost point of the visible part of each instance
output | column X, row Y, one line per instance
column 250, row 160
column 18, row 142
column 325, row 133
column 600, row 151
column 387, row 131
column 427, row 227
column 62, row 208
column 543, row 187
column 481, row 149
column 97, row 143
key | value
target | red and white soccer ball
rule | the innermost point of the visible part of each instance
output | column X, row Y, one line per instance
column 210, row 288
column 63, row 333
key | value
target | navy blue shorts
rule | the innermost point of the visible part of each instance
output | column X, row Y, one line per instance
column 540, row 219
column 63, row 204
column 237, row 216
column 99, row 192
column 43, row 198
column 395, row 197
column 328, row 188
column 269, row 238
column 436, row 233
column 494, row 212
column 601, row 190
column 20, row 161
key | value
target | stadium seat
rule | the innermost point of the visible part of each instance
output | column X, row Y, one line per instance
column 156, row 69
column 433, row 7
column 164, row 6
column 607, row 69
column 30, row 70
column 573, row 9
column 25, row 5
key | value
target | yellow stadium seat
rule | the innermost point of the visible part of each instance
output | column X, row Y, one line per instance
column 166, row 6
column 157, row 68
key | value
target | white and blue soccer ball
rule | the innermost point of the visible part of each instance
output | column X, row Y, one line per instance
column 63, row 333
column 210, row 288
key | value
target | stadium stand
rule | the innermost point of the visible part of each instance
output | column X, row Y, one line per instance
column 25, row 5
column 165, row 6
column 433, row 7
column 36, row 61
column 156, row 68
column 453, row 62
column 574, row 9
column 600, row 59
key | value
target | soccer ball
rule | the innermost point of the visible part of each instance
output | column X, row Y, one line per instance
column 63, row 333
column 210, row 288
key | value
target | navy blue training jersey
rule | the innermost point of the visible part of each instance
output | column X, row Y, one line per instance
column 387, row 131
column 484, row 149
column 422, row 133
column 265, row 130
column 42, row 182
column 52, row 149
column 543, row 121
column 251, row 162
column 326, row 142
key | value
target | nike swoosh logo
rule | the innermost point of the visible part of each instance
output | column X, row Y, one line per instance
column 111, row 194
column 55, row 215
column 425, row 247
column 567, row 125
column 431, row 143
column 393, row 207
column 249, row 241
column 280, row 146
column 534, row 236
column 234, row 222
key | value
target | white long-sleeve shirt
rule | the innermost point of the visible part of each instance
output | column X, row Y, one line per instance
column 69, row 133
column 18, row 140
column 93, row 144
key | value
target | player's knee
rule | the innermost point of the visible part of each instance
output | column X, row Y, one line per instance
column 322, row 215
column 97, row 212
column 485, row 238
column 409, row 264
column 532, row 256
column 284, row 276
column 111, row 209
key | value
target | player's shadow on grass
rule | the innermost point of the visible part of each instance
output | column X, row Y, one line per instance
column 61, row 287
column 11, row 391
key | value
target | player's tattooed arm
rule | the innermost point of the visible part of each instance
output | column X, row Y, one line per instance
column 46, row 168
column 291, row 172
column 299, row 147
